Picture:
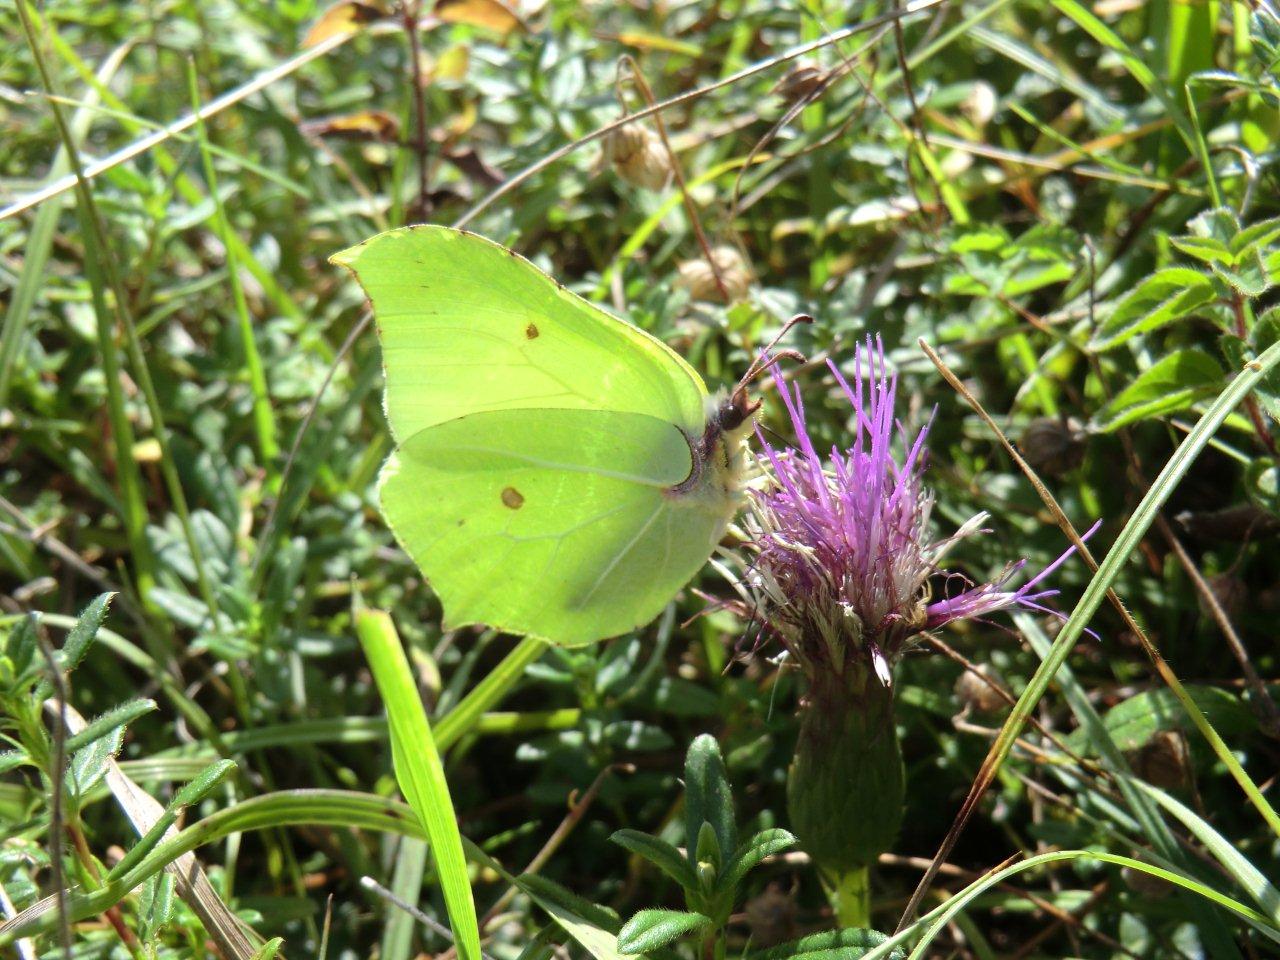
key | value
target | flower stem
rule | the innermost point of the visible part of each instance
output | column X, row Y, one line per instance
column 850, row 896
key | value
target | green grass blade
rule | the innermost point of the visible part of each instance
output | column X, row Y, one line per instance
column 420, row 773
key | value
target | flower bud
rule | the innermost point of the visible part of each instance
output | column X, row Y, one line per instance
column 637, row 156
column 845, row 787
column 699, row 279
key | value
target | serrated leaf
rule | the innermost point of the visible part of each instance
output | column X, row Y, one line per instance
column 707, row 797
column 1160, row 299
column 654, row 929
column 661, row 854
column 847, row 944
column 1174, row 383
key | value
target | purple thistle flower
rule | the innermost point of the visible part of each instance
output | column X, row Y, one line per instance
column 844, row 554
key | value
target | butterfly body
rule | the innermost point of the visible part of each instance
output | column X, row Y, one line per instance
column 558, row 472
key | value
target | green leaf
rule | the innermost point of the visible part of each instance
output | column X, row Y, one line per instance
column 661, row 854
column 1204, row 249
column 590, row 924
column 1174, row 383
column 1162, row 298
column 81, row 636
column 764, row 844
column 707, row 797
column 89, row 764
column 1248, row 276
column 268, row 950
column 1219, row 223
column 196, row 790
column 1250, row 879
column 1266, row 331
column 1133, row 722
column 654, row 929
column 847, row 944
column 420, row 773
column 1255, row 235
column 119, row 716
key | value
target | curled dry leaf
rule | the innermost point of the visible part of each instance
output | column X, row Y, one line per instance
column 346, row 16
column 489, row 14
column 364, row 125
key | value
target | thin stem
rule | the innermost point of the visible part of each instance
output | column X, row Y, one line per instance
column 419, row 103
column 1240, row 310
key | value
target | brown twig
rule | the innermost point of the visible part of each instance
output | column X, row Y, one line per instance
column 646, row 94
column 410, row 14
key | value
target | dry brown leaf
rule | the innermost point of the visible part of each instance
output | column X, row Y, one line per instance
column 489, row 14
column 346, row 16
column 363, row 125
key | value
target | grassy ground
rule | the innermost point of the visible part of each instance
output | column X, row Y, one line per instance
column 1070, row 202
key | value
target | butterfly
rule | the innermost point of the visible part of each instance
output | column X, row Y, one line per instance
column 558, row 472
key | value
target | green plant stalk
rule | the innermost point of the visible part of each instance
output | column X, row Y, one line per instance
column 849, row 894
column 263, row 419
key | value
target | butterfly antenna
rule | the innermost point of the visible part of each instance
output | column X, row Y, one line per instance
column 768, row 356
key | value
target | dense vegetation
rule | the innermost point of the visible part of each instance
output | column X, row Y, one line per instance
column 1073, row 205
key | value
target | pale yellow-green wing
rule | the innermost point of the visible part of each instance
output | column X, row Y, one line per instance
column 554, row 523
column 467, row 325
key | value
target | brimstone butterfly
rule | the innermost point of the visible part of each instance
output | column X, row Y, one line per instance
column 558, row 473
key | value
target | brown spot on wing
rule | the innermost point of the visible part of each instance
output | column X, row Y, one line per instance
column 512, row 498
column 531, row 331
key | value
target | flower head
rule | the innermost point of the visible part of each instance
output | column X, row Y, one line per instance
column 844, row 554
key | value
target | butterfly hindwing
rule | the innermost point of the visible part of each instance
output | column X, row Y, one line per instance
column 554, row 523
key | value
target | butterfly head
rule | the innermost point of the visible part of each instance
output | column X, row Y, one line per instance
column 738, row 407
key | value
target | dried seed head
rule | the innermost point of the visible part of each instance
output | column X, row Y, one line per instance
column 699, row 279
column 800, row 81
column 637, row 156
column 1053, row 446
column 977, row 694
